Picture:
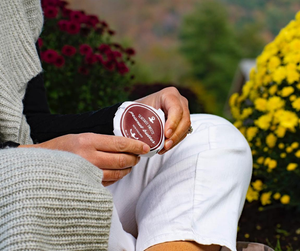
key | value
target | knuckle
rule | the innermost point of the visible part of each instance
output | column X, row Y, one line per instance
column 117, row 175
column 120, row 144
column 185, row 100
column 82, row 140
column 122, row 161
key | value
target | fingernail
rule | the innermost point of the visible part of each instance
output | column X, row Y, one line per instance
column 146, row 148
column 169, row 144
column 169, row 133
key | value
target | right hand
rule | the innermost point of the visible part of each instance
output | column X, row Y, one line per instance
column 113, row 154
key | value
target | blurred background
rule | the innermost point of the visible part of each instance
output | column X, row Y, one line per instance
column 196, row 44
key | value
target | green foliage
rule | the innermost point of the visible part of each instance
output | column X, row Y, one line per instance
column 210, row 45
column 84, row 70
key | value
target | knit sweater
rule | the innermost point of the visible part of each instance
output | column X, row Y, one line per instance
column 49, row 200
column 20, row 25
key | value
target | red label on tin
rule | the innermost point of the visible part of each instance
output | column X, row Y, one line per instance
column 141, row 123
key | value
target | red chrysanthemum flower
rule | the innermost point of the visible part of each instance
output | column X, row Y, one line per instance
column 91, row 58
column 68, row 50
column 85, row 49
column 130, row 51
column 122, row 68
column 92, row 20
column 103, row 48
column 73, row 27
column 50, row 12
column 40, row 42
column 83, row 70
column 49, row 56
column 99, row 58
column 62, row 24
column 62, row 4
column 110, row 55
column 66, row 12
column 111, row 32
column 117, row 54
column 104, row 24
column 109, row 65
column 77, row 16
column 59, row 61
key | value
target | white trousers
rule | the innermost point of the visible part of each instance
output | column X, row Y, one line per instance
column 194, row 192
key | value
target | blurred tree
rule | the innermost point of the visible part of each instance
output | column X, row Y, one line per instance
column 250, row 39
column 209, row 43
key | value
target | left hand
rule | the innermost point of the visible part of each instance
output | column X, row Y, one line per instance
column 175, row 107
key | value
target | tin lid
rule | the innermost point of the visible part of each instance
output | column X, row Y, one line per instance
column 141, row 122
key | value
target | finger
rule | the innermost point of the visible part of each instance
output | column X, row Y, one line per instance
column 108, row 183
column 164, row 150
column 115, row 175
column 118, row 161
column 174, row 112
column 181, row 130
column 118, row 144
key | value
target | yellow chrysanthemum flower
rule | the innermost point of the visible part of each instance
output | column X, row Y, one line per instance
column 292, row 166
column 293, row 98
column 277, row 196
column 295, row 145
column 252, row 194
column 246, row 113
column 282, row 155
column 264, row 121
column 273, row 89
column 233, row 98
column 246, row 88
column 274, row 103
column 292, row 76
column 266, row 198
column 272, row 164
column 251, row 133
column 289, row 120
column 261, row 159
column 287, row 91
column 297, row 154
column 257, row 185
column 285, row 199
column 267, row 160
column 273, row 63
column 289, row 149
column 271, row 140
column 238, row 123
column 296, row 104
column 279, row 74
column 260, row 104
column 281, row 145
column 280, row 131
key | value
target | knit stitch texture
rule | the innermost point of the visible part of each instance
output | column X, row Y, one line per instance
column 20, row 25
column 52, row 200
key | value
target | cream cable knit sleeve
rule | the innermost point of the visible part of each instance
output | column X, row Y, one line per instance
column 20, row 25
column 52, row 200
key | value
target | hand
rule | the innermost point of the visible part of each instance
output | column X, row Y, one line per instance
column 114, row 155
column 177, row 114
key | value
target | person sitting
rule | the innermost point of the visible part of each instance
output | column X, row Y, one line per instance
column 67, row 183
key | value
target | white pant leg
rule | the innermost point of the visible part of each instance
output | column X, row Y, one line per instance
column 194, row 192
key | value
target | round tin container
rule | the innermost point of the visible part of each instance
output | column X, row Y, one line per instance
column 141, row 122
